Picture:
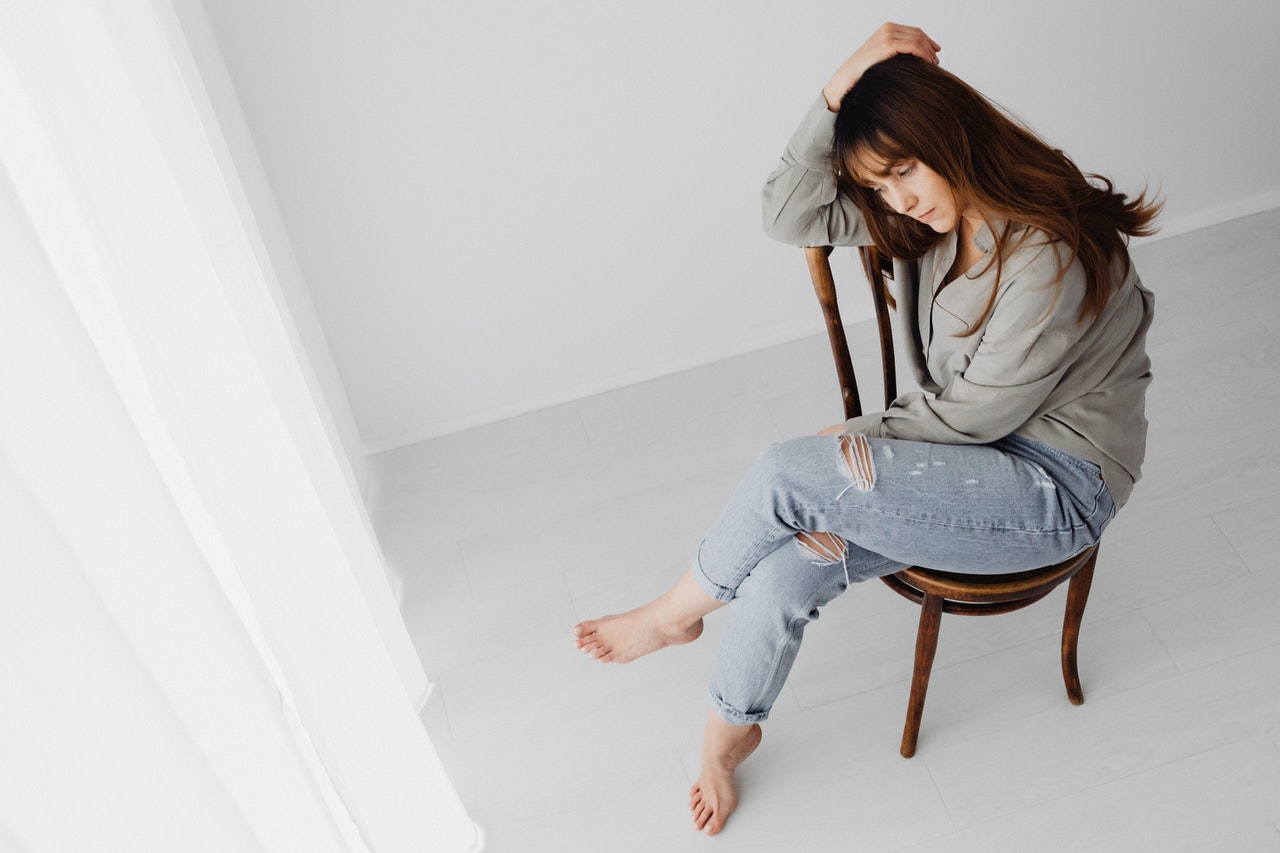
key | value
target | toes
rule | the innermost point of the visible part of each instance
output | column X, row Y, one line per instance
column 701, row 809
column 588, row 640
column 595, row 649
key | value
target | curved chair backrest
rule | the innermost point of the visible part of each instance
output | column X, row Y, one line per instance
column 876, row 269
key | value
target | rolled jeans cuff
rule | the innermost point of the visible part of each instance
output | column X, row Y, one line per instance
column 706, row 584
column 733, row 716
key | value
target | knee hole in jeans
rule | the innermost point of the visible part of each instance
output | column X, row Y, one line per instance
column 823, row 548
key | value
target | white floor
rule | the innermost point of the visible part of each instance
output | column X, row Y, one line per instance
column 507, row 535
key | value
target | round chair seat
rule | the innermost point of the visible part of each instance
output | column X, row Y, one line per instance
column 984, row 594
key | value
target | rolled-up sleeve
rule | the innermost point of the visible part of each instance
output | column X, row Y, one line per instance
column 799, row 201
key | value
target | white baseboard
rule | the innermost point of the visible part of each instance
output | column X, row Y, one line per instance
column 1213, row 216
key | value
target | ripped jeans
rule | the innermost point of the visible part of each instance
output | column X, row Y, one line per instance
column 1012, row 505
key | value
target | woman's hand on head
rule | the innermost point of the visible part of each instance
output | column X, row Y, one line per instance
column 889, row 40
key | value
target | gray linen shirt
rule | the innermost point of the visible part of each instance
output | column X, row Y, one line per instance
column 1031, row 369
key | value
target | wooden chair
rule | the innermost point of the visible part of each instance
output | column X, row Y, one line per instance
column 936, row 591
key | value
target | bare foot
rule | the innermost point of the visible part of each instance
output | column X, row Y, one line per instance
column 627, row 636
column 714, row 796
column 673, row 618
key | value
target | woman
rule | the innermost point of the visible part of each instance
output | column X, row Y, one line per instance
column 1027, row 326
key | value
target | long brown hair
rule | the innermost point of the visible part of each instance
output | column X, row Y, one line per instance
column 907, row 109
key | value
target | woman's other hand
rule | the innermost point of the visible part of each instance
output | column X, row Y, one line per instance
column 889, row 40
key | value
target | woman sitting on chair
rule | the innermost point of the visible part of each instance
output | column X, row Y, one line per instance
column 1026, row 324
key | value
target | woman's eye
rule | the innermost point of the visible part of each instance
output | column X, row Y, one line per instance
column 904, row 171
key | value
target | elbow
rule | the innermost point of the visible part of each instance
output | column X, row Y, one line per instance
column 789, row 236
column 779, row 219
column 786, row 229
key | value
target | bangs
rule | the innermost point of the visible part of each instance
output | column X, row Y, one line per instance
column 871, row 155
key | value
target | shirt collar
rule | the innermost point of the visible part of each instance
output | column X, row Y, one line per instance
column 985, row 239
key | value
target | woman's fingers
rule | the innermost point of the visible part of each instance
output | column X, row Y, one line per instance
column 898, row 38
column 888, row 40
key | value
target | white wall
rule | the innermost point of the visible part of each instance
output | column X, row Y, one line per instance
column 499, row 206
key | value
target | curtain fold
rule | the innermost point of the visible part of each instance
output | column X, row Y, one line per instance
column 168, row 466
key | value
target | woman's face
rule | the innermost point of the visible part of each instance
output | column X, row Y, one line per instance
column 911, row 188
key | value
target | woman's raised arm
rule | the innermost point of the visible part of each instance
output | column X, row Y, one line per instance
column 889, row 40
column 800, row 203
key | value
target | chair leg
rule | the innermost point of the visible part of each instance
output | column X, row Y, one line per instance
column 1077, row 598
column 926, row 646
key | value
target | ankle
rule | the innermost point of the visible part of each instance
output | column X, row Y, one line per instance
column 727, row 744
column 684, row 605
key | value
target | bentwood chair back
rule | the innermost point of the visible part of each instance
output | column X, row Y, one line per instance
column 938, row 591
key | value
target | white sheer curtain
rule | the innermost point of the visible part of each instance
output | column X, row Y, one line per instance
column 198, row 647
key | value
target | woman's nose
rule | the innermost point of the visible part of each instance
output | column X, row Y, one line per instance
column 900, row 200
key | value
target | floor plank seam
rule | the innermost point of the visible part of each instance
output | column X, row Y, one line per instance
column 1143, row 612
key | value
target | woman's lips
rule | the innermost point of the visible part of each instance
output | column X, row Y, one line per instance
column 926, row 216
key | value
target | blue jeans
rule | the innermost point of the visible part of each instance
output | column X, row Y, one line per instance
column 1008, row 506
